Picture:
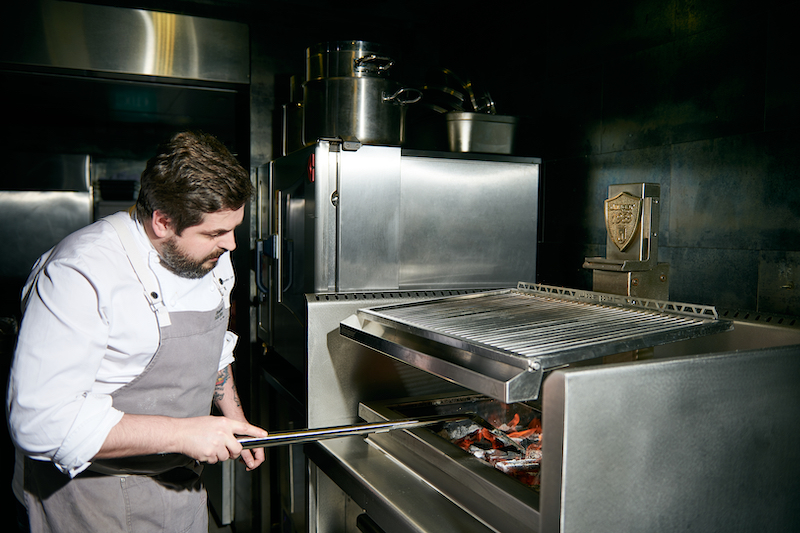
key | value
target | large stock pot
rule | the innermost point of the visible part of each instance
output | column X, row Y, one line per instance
column 348, row 94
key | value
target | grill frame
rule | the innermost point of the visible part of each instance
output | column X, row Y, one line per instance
column 457, row 337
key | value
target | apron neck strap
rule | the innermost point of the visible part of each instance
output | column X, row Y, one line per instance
column 152, row 290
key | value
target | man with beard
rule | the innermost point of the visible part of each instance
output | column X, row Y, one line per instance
column 123, row 348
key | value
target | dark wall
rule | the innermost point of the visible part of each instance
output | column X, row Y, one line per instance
column 700, row 97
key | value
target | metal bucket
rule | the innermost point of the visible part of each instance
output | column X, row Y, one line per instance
column 481, row 132
column 347, row 95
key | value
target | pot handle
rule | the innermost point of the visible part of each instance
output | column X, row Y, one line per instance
column 372, row 62
column 403, row 96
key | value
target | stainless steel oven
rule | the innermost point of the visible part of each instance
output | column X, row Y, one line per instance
column 661, row 444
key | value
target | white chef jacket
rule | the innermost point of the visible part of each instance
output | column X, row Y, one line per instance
column 86, row 331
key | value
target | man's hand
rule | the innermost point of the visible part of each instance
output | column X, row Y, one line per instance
column 252, row 459
column 226, row 399
column 215, row 438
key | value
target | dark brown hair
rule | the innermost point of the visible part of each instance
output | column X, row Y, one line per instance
column 191, row 175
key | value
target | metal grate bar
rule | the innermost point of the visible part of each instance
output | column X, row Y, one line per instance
column 530, row 324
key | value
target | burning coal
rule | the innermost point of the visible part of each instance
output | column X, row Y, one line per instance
column 511, row 447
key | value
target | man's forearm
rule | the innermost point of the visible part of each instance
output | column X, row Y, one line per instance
column 226, row 398
column 206, row 438
column 140, row 435
column 227, row 401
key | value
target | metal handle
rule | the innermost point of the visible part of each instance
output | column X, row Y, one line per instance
column 278, row 246
column 372, row 62
column 415, row 96
column 312, row 435
column 264, row 248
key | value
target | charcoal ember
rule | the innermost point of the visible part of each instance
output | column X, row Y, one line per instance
column 513, row 447
column 533, row 455
column 513, row 465
column 524, row 470
column 508, row 442
column 533, row 439
column 491, row 455
column 510, row 426
column 460, row 429
column 500, row 456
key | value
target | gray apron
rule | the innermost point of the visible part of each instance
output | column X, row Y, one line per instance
column 146, row 493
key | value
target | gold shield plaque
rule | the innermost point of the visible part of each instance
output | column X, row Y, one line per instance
column 622, row 218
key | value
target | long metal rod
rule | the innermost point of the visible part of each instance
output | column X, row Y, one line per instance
column 280, row 438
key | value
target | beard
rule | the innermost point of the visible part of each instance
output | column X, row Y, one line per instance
column 179, row 263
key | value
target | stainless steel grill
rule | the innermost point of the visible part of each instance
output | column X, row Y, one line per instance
column 514, row 335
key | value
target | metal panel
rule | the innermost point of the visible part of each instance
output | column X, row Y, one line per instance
column 468, row 222
column 35, row 221
column 379, row 218
column 704, row 443
column 43, row 198
column 340, row 373
column 52, row 33
column 369, row 219
column 394, row 497
column 494, row 497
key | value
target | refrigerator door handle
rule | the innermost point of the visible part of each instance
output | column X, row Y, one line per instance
column 264, row 248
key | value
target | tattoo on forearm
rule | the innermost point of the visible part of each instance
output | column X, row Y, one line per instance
column 219, row 389
column 223, row 376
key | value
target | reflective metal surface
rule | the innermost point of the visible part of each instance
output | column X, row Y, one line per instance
column 43, row 198
column 341, row 373
column 467, row 221
column 370, row 222
column 328, row 375
column 349, row 226
column 36, row 221
column 347, row 471
column 500, row 343
column 52, row 33
column 704, row 443
column 380, row 218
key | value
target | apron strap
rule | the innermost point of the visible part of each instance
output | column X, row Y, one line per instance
column 152, row 290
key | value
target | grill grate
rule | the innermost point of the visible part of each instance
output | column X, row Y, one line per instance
column 500, row 342
column 533, row 325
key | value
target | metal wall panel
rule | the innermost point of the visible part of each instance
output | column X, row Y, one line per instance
column 51, row 33
column 43, row 198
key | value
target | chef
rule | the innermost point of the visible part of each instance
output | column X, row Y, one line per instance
column 123, row 348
